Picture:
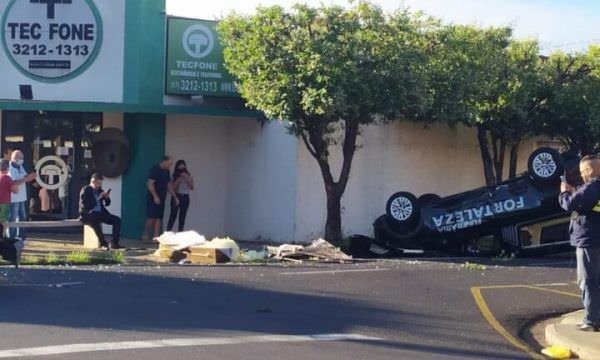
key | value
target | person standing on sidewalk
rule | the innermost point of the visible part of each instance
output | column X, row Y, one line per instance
column 158, row 184
column 584, row 203
column 8, row 188
column 18, row 202
column 183, row 183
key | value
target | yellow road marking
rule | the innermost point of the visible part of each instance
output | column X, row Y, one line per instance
column 495, row 324
column 491, row 319
column 555, row 291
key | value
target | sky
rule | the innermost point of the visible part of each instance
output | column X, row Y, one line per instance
column 568, row 25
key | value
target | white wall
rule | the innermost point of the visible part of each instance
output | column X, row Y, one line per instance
column 400, row 156
column 245, row 176
column 114, row 120
column 203, row 144
column 262, row 177
column 258, row 182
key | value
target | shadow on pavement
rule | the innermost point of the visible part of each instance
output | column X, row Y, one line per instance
column 173, row 305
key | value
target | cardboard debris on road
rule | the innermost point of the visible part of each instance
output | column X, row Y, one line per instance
column 191, row 247
column 318, row 250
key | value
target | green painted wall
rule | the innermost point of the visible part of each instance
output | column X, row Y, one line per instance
column 146, row 133
column 145, row 30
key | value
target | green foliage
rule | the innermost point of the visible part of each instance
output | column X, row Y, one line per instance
column 572, row 112
column 467, row 73
column 31, row 260
column 474, row 266
column 314, row 66
column 78, row 258
column 51, row 259
column 328, row 70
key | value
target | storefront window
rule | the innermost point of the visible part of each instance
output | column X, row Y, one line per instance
column 61, row 139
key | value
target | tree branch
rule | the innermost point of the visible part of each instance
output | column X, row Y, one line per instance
column 309, row 147
column 348, row 149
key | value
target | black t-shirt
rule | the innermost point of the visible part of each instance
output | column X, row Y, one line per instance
column 161, row 179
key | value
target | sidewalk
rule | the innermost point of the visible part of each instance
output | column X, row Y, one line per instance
column 564, row 333
column 41, row 245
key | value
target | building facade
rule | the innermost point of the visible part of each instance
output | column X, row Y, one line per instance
column 70, row 69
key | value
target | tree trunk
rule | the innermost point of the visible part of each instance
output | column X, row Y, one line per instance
column 514, row 158
column 486, row 158
column 499, row 151
column 318, row 147
column 333, row 224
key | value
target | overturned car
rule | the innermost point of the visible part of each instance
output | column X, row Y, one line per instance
column 518, row 215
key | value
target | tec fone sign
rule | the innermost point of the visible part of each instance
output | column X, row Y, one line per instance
column 52, row 40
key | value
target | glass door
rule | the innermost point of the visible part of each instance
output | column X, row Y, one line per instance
column 59, row 144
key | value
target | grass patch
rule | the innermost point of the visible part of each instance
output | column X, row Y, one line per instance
column 30, row 260
column 51, row 259
column 79, row 258
column 474, row 266
column 75, row 258
column 108, row 257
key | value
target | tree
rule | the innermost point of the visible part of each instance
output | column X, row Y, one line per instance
column 329, row 71
column 572, row 113
column 468, row 68
column 515, row 116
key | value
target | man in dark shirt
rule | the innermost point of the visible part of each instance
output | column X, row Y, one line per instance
column 93, row 201
column 584, row 203
column 158, row 184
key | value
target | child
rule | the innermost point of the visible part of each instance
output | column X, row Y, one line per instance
column 8, row 187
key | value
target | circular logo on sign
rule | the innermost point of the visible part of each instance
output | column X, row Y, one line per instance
column 52, row 40
column 198, row 41
column 51, row 172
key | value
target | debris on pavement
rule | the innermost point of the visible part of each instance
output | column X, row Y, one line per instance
column 318, row 250
column 191, row 247
column 557, row 352
column 180, row 240
column 252, row 256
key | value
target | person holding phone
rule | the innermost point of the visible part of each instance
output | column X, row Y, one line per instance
column 183, row 184
column 93, row 201
column 584, row 204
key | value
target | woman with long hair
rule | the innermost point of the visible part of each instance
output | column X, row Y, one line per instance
column 183, row 184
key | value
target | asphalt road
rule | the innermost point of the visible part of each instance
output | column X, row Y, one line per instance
column 400, row 309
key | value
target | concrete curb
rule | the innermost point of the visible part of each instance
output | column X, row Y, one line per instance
column 564, row 333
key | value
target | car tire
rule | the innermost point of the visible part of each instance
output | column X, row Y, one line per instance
column 545, row 165
column 403, row 209
column 427, row 199
column 387, row 233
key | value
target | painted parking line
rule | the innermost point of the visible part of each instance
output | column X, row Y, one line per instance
column 476, row 291
column 319, row 272
column 174, row 343
column 58, row 285
column 552, row 285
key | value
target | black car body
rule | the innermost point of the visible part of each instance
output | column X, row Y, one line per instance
column 519, row 214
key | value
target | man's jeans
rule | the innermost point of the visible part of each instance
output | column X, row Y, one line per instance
column 18, row 212
column 588, row 278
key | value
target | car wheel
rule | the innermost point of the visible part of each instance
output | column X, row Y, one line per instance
column 403, row 208
column 545, row 165
column 399, row 235
column 427, row 199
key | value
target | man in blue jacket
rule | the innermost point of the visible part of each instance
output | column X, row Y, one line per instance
column 584, row 203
